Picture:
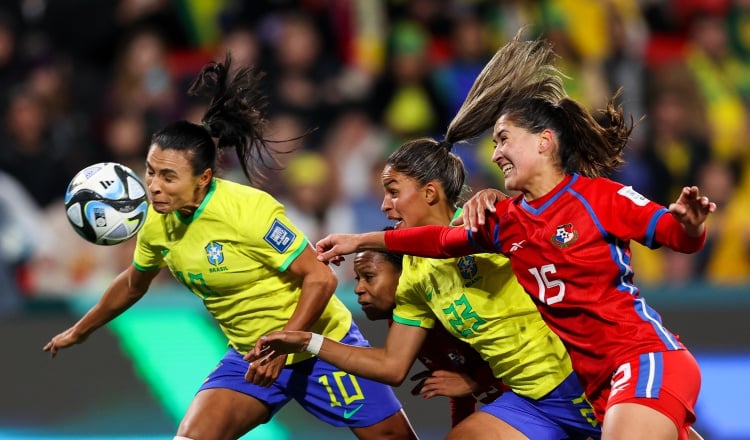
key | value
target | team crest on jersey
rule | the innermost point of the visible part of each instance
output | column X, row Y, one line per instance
column 564, row 235
column 279, row 236
column 468, row 267
column 215, row 253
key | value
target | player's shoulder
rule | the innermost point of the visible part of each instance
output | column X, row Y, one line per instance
column 245, row 196
column 583, row 183
column 600, row 189
column 232, row 188
column 617, row 192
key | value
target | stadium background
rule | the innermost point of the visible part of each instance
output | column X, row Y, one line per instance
column 86, row 80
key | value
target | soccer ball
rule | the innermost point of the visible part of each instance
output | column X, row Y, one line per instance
column 106, row 203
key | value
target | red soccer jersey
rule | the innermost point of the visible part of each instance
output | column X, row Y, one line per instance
column 443, row 351
column 570, row 251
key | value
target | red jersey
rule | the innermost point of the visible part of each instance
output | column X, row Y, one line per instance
column 443, row 351
column 570, row 251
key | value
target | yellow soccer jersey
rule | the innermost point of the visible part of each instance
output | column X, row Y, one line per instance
column 233, row 253
column 478, row 300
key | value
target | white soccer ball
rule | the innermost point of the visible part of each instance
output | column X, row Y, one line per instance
column 106, row 203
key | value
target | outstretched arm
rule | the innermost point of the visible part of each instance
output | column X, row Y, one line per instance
column 126, row 289
column 389, row 364
column 333, row 247
column 430, row 241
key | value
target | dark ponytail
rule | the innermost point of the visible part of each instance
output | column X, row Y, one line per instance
column 236, row 114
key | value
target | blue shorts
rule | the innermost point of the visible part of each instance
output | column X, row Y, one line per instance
column 564, row 413
column 333, row 396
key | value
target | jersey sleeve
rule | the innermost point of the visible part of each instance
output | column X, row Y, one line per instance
column 270, row 236
column 670, row 233
column 411, row 308
column 628, row 215
column 430, row 241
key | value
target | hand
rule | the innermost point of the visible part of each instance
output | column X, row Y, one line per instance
column 265, row 371
column 331, row 249
column 64, row 340
column 277, row 344
column 475, row 208
column 691, row 209
column 269, row 355
column 443, row 383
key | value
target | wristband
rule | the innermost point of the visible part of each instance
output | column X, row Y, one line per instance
column 316, row 341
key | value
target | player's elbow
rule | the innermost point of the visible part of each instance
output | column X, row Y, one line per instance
column 324, row 282
column 328, row 282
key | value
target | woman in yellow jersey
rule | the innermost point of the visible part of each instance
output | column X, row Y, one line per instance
column 233, row 246
column 477, row 299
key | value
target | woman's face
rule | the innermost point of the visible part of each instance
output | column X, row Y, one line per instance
column 404, row 200
column 171, row 183
column 516, row 153
column 377, row 279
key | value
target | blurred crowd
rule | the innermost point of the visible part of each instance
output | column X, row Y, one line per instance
column 86, row 81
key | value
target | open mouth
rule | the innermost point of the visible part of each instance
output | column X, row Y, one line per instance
column 507, row 168
column 397, row 222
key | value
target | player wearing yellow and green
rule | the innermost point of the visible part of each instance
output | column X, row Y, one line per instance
column 233, row 253
column 233, row 246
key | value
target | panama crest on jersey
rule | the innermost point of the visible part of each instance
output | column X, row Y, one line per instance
column 215, row 253
column 564, row 235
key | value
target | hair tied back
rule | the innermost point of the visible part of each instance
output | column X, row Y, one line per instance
column 207, row 127
column 445, row 144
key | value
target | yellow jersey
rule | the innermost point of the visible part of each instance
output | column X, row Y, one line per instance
column 478, row 300
column 233, row 253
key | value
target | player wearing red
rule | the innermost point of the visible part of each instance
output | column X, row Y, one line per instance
column 594, row 307
column 454, row 369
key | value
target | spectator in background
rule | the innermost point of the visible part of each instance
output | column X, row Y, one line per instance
column 244, row 45
column 352, row 144
column 725, row 260
column 722, row 79
column 738, row 25
column 141, row 80
column 301, row 74
column 22, row 238
column 405, row 101
column 288, row 134
column 366, row 207
column 469, row 54
column 125, row 139
column 623, row 59
column 675, row 141
column 29, row 153
column 11, row 66
column 313, row 200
